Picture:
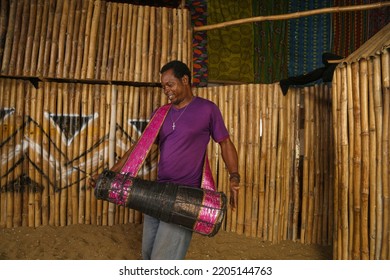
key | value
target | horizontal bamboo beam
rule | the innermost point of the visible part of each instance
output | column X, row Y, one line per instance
column 293, row 15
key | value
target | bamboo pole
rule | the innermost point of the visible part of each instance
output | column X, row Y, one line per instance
column 75, row 161
column 263, row 157
column 113, row 105
column 128, row 42
column 100, row 42
column 123, row 40
column 256, row 156
column 117, row 42
column 158, row 46
column 152, row 44
column 9, row 37
column 88, row 37
column 35, row 135
column 89, row 153
column 355, row 92
column 112, row 40
column 30, row 38
column 47, row 21
column 373, row 157
column 18, row 156
column 46, row 203
column 106, row 41
column 249, row 96
column 296, row 187
column 294, row 15
column 281, row 141
column 133, row 40
column 16, row 38
column 55, row 38
column 242, row 107
column 165, row 37
column 378, row 107
column 81, row 39
column 58, row 65
column 71, row 72
column 336, row 116
column 145, row 45
column 31, row 69
column 97, row 158
column 72, row 25
column 21, row 49
column 16, row 86
column 385, row 254
column 365, row 184
column 91, row 57
column 52, row 95
column 138, row 44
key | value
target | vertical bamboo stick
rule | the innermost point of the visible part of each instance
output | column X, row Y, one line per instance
column 75, row 161
column 128, row 42
column 106, row 41
column 21, row 49
column 61, row 178
column 165, row 37
column 41, row 5
column 18, row 154
column 241, row 159
column 117, row 43
column 5, row 97
column 9, row 37
column 385, row 254
column 134, row 35
column 97, row 158
column 52, row 95
column 113, row 104
column 72, row 24
column 305, row 180
column 123, row 39
column 158, row 46
column 47, row 21
column 145, row 45
column 296, row 196
column 249, row 159
column 151, row 45
column 263, row 157
column 58, row 65
column 81, row 39
column 91, row 56
column 111, row 49
column 11, row 154
column 89, row 153
column 138, row 44
column 57, row 23
column 89, row 39
column 46, row 203
column 30, row 38
column 373, row 158
column 16, row 38
column 100, row 44
column 378, row 107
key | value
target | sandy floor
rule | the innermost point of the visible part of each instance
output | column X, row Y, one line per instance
column 123, row 242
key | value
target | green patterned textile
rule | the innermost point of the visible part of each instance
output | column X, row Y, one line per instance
column 230, row 49
column 270, row 42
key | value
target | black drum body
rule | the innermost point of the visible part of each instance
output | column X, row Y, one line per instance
column 197, row 209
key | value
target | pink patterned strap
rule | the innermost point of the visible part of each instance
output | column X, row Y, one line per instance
column 145, row 142
column 207, row 176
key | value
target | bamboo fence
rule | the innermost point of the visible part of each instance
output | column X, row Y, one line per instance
column 361, row 132
column 53, row 136
column 91, row 40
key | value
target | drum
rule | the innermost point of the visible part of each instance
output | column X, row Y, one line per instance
column 197, row 209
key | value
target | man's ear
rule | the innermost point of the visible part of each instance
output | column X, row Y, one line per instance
column 184, row 79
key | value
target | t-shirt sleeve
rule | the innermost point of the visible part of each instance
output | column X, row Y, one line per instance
column 219, row 131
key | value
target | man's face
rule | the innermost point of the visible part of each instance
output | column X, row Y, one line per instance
column 173, row 87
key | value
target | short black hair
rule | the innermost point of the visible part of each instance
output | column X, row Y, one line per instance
column 179, row 68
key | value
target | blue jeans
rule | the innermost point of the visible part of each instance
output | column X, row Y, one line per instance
column 163, row 241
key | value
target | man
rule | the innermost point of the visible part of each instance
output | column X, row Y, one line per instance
column 182, row 141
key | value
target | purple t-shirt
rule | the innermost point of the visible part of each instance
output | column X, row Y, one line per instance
column 182, row 150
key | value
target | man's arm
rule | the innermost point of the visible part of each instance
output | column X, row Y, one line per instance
column 230, row 157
